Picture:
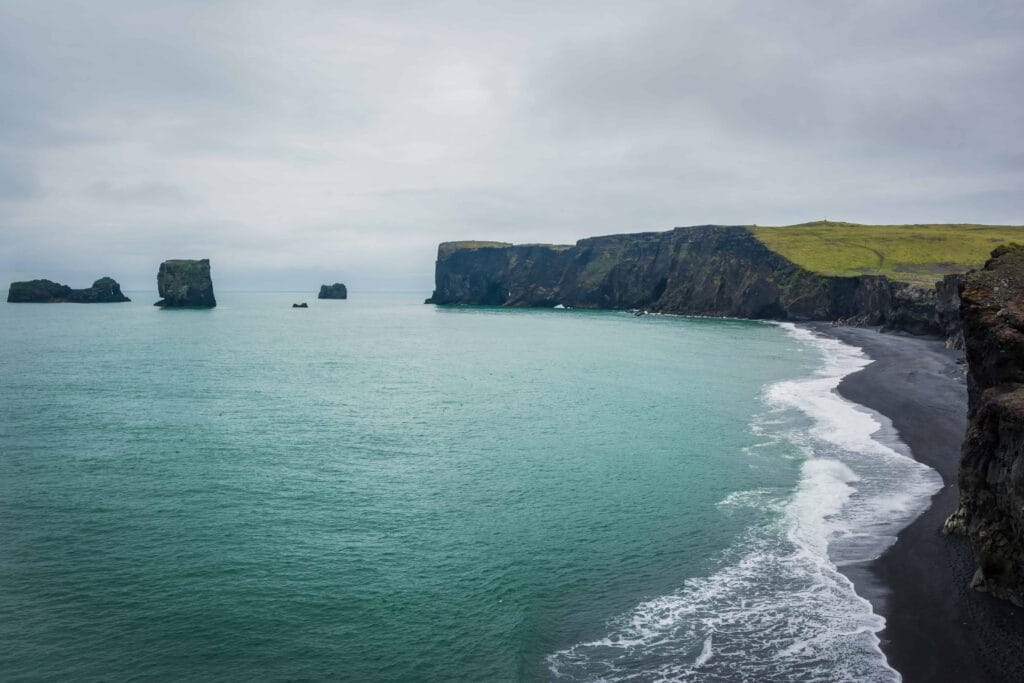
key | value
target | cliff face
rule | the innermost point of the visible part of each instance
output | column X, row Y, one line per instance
column 335, row 291
column 991, row 510
column 185, row 283
column 103, row 291
column 704, row 270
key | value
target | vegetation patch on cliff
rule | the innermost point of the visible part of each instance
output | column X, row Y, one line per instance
column 920, row 254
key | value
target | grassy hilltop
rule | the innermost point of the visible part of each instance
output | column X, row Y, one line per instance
column 920, row 254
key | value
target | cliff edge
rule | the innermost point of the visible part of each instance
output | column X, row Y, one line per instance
column 702, row 270
column 991, row 510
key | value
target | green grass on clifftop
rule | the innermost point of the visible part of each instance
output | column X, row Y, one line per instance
column 920, row 254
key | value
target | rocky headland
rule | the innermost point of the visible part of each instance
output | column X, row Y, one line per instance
column 708, row 270
column 335, row 291
column 103, row 291
column 185, row 283
column 991, row 510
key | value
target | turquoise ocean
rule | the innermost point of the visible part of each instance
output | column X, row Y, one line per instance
column 381, row 490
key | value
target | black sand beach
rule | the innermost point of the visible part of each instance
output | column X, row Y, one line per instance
column 937, row 627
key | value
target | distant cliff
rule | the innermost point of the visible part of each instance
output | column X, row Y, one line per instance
column 185, row 283
column 703, row 270
column 991, row 510
column 103, row 291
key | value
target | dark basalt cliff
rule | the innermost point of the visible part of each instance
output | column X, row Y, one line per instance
column 703, row 270
column 335, row 291
column 185, row 283
column 103, row 291
column 991, row 510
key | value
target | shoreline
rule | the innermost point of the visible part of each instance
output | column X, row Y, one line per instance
column 937, row 627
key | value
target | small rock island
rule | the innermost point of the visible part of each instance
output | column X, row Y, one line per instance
column 335, row 291
column 185, row 283
column 103, row 291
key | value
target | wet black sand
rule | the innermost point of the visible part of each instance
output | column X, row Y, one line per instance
column 937, row 627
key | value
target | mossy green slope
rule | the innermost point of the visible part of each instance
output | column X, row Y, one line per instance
column 920, row 254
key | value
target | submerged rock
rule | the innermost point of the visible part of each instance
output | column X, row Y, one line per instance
column 335, row 291
column 185, row 283
column 991, row 510
column 103, row 291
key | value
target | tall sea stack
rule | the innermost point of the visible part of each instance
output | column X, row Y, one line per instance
column 335, row 291
column 185, row 283
column 991, row 510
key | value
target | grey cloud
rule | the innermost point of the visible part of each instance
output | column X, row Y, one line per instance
column 160, row 194
column 313, row 137
column 18, row 180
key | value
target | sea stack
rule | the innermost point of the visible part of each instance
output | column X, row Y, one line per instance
column 335, row 291
column 185, row 283
column 103, row 291
column 991, row 510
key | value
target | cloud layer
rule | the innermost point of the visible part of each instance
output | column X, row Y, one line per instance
column 295, row 143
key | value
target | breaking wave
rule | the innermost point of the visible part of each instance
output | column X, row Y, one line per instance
column 780, row 609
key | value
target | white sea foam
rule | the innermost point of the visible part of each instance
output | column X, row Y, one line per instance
column 781, row 609
column 759, row 499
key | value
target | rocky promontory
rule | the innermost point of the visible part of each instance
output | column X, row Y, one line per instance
column 991, row 510
column 103, row 291
column 335, row 291
column 185, row 283
column 709, row 270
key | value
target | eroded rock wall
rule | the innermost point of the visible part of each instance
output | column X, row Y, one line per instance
column 702, row 270
column 991, row 510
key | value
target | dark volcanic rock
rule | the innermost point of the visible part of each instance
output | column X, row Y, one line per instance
column 947, row 309
column 302, row 305
column 103, row 291
column 335, row 291
column 991, row 510
column 185, row 283
column 703, row 270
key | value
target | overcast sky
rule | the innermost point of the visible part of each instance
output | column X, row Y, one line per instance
column 300, row 142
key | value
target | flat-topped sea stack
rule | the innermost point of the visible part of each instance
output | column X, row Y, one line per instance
column 899, row 277
column 103, row 291
column 335, row 291
column 185, row 283
column 991, row 510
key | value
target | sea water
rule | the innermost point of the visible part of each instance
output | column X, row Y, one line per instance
column 375, row 489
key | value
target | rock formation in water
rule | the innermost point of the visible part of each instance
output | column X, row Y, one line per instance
column 185, row 283
column 103, row 291
column 335, row 291
column 702, row 270
column 991, row 510
column 302, row 305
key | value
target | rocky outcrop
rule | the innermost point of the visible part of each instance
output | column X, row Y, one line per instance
column 947, row 309
column 702, row 270
column 103, row 291
column 991, row 510
column 184, row 283
column 335, row 291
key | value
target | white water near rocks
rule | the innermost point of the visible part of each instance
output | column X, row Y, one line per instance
column 779, row 608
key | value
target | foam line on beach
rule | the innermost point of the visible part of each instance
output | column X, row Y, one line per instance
column 779, row 608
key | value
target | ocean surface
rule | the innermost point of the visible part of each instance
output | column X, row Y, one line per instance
column 380, row 490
